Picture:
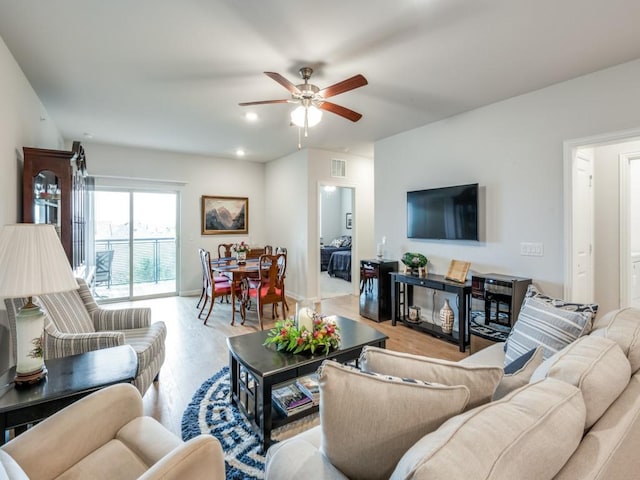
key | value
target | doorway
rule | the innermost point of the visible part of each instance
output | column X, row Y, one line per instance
column 337, row 224
column 136, row 244
column 610, row 221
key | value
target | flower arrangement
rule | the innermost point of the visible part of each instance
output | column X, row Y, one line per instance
column 240, row 247
column 324, row 336
column 414, row 260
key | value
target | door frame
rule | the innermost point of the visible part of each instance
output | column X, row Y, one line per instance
column 625, row 225
column 354, row 243
column 131, row 190
column 569, row 146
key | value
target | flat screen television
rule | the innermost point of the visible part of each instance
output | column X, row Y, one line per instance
column 448, row 213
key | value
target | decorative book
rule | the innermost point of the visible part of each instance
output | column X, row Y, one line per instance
column 289, row 399
column 458, row 271
column 310, row 387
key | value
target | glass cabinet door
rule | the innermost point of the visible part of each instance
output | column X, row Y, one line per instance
column 46, row 199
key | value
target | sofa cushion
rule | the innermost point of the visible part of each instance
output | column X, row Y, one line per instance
column 622, row 326
column 373, row 417
column 9, row 469
column 590, row 309
column 596, row 365
column 527, row 435
column 481, row 380
column 541, row 324
column 518, row 372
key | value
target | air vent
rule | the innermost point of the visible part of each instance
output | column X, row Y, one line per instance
column 338, row 168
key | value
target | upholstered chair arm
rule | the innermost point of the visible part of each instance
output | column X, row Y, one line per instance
column 58, row 344
column 59, row 442
column 199, row 458
column 297, row 458
column 121, row 319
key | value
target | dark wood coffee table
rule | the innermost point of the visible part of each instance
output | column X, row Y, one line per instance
column 68, row 379
column 256, row 368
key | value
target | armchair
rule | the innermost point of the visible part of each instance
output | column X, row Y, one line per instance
column 76, row 324
column 104, row 436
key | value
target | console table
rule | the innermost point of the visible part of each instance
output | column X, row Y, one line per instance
column 402, row 298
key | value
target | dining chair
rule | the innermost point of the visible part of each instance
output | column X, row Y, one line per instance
column 224, row 250
column 212, row 288
column 268, row 289
column 268, row 250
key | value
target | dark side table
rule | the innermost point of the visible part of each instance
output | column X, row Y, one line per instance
column 255, row 369
column 68, row 379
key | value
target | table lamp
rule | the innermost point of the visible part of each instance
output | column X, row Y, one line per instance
column 32, row 262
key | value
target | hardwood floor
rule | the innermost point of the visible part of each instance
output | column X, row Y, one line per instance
column 194, row 351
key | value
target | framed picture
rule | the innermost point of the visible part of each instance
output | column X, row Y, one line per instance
column 349, row 221
column 225, row 215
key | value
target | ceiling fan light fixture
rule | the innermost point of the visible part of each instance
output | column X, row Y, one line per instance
column 314, row 115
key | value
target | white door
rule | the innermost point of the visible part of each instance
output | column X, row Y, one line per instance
column 582, row 211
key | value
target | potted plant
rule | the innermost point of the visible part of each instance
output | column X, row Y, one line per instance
column 415, row 260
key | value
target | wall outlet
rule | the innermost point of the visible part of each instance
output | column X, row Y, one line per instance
column 531, row 249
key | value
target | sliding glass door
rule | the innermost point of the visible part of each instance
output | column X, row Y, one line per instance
column 136, row 244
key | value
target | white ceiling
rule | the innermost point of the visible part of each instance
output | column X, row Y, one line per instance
column 169, row 74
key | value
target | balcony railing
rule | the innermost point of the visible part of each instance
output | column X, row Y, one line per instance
column 154, row 259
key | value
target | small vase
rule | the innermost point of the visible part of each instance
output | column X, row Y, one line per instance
column 446, row 317
column 241, row 258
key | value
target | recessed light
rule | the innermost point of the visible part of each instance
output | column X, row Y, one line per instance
column 88, row 135
column 240, row 152
column 251, row 116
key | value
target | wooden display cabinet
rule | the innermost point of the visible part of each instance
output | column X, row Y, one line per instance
column 54, row 191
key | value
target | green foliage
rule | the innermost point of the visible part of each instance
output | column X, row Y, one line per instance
column 286, row 336
column 414, row 260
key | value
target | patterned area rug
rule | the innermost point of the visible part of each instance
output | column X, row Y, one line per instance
column 211, row 412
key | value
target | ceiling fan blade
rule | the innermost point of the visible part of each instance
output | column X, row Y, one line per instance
column 343, row 86
column 263, row 102
column 339, row 110
column 284, row 82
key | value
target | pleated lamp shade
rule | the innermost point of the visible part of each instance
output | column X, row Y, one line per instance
column 33, row 262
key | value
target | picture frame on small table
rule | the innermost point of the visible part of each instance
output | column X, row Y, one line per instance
column 458, row 271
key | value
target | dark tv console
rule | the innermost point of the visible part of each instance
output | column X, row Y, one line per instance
column 402, row 298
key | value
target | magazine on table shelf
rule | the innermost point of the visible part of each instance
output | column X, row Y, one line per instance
column 309, row 386
column 289, row 399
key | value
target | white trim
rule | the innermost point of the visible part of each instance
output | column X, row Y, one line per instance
column 625, row 225
column 569, row 147
column 354, row 236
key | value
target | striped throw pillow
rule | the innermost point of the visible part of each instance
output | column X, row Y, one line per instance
column 541, row 324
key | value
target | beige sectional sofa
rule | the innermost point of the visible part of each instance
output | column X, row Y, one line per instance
column 573, row 415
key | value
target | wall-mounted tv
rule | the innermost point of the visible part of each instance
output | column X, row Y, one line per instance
column 448, row 213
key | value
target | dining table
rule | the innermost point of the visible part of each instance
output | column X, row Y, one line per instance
column 229, row 266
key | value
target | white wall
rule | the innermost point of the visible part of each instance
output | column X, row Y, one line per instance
column 360, row 177
column 24, row 122
column 193, row 176
column 286, row 205
column 634, row 205
column 331, row 222
column 514, row 150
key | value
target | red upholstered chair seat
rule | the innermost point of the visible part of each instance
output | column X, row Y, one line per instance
column 220, row 279
column 253, row 293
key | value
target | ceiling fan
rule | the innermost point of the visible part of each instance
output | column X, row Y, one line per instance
column 311, row 100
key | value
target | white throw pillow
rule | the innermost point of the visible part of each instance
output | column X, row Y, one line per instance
column 369, row 421
column 596, row 365
column 528, row 435
column 481, row 380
